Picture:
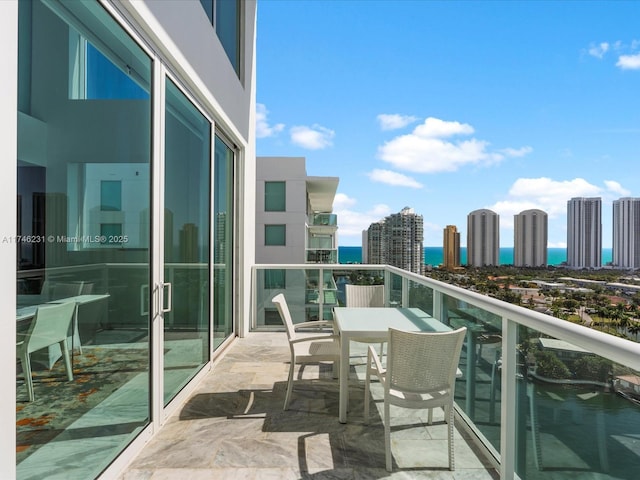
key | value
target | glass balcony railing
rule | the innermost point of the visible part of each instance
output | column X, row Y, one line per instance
column 323, row 219
column 322, row 255
column 548, row 399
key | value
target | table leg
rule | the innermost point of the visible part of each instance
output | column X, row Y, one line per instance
column 344, row 379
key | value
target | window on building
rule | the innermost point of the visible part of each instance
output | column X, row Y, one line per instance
column 274, row 279
column 111, row 233
column 275, row 235
column 111, row 195
column 225, row 16
column 272, row 317
column 102, row 74
column 275, row 196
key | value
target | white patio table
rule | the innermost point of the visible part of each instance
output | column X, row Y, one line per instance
column 371, row 325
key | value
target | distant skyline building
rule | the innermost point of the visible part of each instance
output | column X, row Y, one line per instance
column 375, row 246
column 451, row 247
column 584, row 232
column 397, row 240
column 483, row 238
column 530, row 235
column 626, row 233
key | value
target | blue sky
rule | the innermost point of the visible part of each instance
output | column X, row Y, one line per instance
column 448, row 107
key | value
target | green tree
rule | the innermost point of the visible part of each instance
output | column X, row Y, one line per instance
column 549, row 365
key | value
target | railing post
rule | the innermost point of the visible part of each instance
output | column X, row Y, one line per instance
column 508, row 441
column 438, row 312
column 320, row 293
column 405, row 292
column 387, row 287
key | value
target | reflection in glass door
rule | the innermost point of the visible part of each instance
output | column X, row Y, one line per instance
column 186, row 240
column 84, row 157
column 223, row 234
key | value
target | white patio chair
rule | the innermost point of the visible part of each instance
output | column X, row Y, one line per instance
column 307, row 349
column 420, row 374
column 49, row 326
column 365, row 296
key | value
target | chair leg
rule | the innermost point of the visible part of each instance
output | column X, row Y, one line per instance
column 367, row 388
column 387, row 436
column 67, row 359
column 292, row 366
column 450, row 421
column 26, row 370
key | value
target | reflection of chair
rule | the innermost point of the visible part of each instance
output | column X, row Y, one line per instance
column 50, row 326
column 421, row 372
column 314, row 349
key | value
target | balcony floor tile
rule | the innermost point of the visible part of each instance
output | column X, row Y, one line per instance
column 233, row 426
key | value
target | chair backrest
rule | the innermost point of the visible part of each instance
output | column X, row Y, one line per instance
column 50, row 325
column 65, row 290
column 364, row 295
column 285, row 315
column 423, row 361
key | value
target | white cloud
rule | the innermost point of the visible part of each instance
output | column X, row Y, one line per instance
column 342, row 201
column 263, row 129
column 393, row 178
column 435, row 128
column 599, row 50
column 629, row 62
column 615, row 187
column 549, row 195
column 425, row 150
column 516, row 152
column 315, row 137
column 353, row 222
column 393, row 121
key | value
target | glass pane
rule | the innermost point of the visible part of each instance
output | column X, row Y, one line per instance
column 275, row 196
column 223, row 241
column 74, row 158
column 478, row 389
column 186, row 234
column 228, row 29
column 275, row 235
column 577, row 413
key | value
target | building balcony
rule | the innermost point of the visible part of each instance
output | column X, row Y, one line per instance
column 541, row 397
column 322, row 255
column 323, row 219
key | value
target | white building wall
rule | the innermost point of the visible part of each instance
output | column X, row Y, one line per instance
column 292, row 171
column 8, row 192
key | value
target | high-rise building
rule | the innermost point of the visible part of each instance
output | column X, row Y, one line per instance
column 584, row 232
column 375, row 246
column 483, row 238
column 451, row 247
column 294, row 219
column 397, row 240
column 626, row 233
column 530, row 233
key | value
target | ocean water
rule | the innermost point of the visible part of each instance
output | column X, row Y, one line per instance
column 433, row 255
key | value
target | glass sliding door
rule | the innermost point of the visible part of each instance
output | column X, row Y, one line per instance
column 186, row 240
column 84, row 158
column 223, row 182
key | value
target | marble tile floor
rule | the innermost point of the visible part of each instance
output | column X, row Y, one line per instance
column 233, row 427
